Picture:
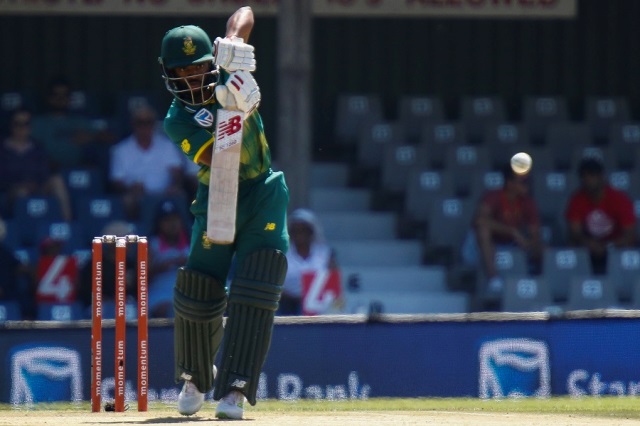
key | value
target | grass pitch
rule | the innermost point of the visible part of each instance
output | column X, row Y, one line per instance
column 375, row 411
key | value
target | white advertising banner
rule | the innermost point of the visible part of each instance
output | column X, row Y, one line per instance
column 321, row 8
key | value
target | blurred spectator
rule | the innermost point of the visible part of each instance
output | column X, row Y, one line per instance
column 63, row 135
column 505, row 217
column 24, row 168
column 146, row 162
column 168, row 250
column 16, row 277
column 308, row 253
column 598, row 215
column 119, row 229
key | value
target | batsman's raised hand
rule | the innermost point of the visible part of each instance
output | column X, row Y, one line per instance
column 233, row 54
column 240, row 92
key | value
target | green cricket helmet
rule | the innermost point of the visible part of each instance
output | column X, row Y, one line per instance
column 182, row 47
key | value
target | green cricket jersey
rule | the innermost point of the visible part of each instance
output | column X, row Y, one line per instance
column 193, row 132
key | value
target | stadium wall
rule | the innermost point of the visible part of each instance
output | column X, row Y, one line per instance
column 354, row 357
column 594, row 54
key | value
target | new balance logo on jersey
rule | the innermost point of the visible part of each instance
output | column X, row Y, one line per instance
column 270, row 226
column 204, row 117
column 229, row 127
column 240, row 384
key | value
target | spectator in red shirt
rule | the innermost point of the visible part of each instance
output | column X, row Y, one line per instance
column 598, row 215
column 504, row 217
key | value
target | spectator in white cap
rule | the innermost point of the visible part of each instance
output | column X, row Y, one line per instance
column 308, row 252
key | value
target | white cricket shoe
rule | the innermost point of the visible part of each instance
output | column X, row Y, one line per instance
column 190, row 400
column 231, row 406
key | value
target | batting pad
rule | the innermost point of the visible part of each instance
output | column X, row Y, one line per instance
column 253, row 301
column 199, row 302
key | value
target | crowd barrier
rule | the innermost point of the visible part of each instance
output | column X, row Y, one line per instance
column 485, row 355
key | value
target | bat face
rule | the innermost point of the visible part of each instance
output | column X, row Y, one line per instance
column 223, row 184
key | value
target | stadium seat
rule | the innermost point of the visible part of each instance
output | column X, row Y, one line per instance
column 626, row 181
column 352, row 111
column 423, row 188
column 538, row 112
column 466, row 162
column 416, row 111
column 84, row 181
column 509, row 261
column 436, row 137
column 94, row 212
column 148, row 208
column 10, row 311
column 623, row 268
column 624, row 140
column 485, row 181
column 448, row 223
column 563, row 138
column 69, row 233
column 476, row 112
column 602, row 112
column 397, row 162
column 372, row 139
column 29, row 212
column 589, row 292
column 59, row 311
column 551, row 191
column 503, row 140
column 11, row 101
column 84, row 102
column 526, row 294
column 560, row 264
column 127, row 101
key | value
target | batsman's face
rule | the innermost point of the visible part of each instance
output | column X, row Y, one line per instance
column 193, row 74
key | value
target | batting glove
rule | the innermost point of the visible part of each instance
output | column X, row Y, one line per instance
column 233, row 54
column 240, row 92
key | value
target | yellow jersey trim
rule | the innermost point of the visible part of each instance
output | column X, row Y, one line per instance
column 202, row 148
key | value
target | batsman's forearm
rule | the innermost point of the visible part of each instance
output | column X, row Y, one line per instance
column 240, row 24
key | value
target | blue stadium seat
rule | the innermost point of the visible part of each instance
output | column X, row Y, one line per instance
column 438, row 136
column 526, row 294
column 590, row 292
column 30, row 212
column 416, row 111
column 10, row 311
column 352, row 111
column 624, row 140
column 94, row 212
column 84, row 181
column 476, row 112
column 601, row 112
column 71, row 234
column 538, row 112
column 59, row 311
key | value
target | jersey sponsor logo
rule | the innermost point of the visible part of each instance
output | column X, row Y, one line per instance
column 185, row 146
column 229, row 127
column 270, row 226
column 204, row 117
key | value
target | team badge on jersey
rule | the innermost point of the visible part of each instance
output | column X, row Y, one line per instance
column 204, row 117
column 186, row 146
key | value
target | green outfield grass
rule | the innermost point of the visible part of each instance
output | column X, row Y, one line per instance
column 611, row 407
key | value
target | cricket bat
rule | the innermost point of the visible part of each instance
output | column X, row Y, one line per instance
column 223, row 184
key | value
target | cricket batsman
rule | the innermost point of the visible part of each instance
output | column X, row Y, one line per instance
column 206, row 78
